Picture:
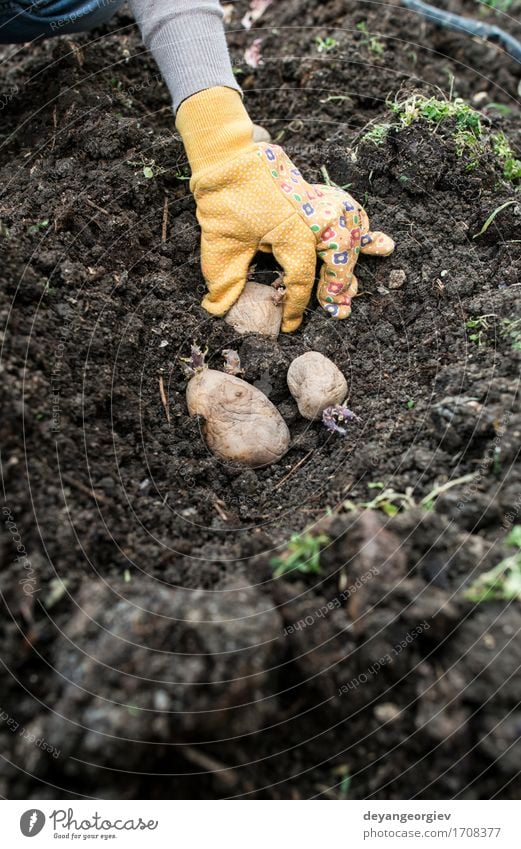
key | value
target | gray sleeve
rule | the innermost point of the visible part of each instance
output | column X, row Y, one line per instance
column 186, row 38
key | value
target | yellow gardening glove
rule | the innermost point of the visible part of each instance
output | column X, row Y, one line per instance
column 250, row 197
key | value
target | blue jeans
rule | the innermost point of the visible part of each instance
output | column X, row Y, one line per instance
column 23, row 20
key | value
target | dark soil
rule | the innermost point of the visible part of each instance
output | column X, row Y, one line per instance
column 169, row 663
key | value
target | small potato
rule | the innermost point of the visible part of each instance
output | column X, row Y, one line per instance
column 258, row 310
column 260, row 134
column 315, row 383
column 240, row 423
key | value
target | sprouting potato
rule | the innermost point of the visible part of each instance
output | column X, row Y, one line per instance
column 315, row 383
column 240, row 423
column 258, row 310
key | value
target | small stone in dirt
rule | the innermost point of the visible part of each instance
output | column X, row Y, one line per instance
column 387, row 712
column 397, row 278
column 480, row 97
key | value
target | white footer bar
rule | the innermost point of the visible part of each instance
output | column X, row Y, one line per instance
column 260, row 824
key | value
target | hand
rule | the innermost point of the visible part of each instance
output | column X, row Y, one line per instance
column 250, row 197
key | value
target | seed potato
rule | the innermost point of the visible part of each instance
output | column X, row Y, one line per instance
column 315, row 383
column 240, row 423
column 258, row 310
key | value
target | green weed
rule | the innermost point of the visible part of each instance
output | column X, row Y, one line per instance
column 431, row 109
column 502, row 108
column 149, row 168
column 302, row 555
column 479, row 325
column 503, row 582
column 33, row 229
column 324, row 45
column 497, row 5
column 492, row 215
column 503, row 151
column 388, row 501
column 374, row 44
column 377, row 135
column 391, row 502
column 342, row 774
column 180, row 175
column 510, row 330
column 467, row 133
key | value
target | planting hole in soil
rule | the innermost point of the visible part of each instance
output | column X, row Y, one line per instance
column 235, row 583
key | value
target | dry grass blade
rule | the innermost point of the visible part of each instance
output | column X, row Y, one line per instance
column 164, row 228
column 164, row 399
column 294, row 468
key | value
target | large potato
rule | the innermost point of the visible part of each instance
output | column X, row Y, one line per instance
column 240, row 423
column 258, row 310
column 315, row 383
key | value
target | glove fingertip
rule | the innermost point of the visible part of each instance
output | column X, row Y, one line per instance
column 289, row 325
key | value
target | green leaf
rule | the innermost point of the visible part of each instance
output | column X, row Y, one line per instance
column 35, row 228
column 491, row 217
column 302, row 555
column 388, row 508
column 514, row 537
